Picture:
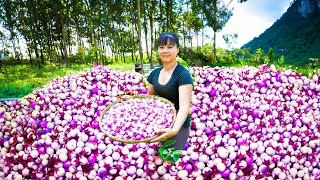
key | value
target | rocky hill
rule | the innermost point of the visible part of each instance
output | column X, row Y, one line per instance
column 296, row 35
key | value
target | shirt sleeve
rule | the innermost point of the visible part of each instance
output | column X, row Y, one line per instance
column 185, row 78
column 150, row 77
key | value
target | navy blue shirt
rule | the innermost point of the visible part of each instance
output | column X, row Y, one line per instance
column 170, row 90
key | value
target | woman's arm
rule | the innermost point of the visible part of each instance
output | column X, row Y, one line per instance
column 185, row 93
column 151, row 90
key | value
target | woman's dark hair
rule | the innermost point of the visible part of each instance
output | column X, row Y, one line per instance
column 168, row 38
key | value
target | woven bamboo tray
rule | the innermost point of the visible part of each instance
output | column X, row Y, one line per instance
column 132, row 141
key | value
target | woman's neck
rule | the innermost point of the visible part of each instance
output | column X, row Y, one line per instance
column 170, row 66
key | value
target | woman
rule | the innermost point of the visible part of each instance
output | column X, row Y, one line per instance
column 173, row 82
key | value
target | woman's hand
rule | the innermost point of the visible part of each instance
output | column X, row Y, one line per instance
column 165, row 134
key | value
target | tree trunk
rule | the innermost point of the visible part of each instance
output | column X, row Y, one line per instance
column 41, row 55
column 153, row 4
column 160, row 17
column 95, row 47
column 14, row 49
column 64, row 42
column 215, row 10
column 202, row 37
column 167, row 17
column 18, row 52
column 104, row 51
column 37, row 56
column 49, row 42
column 145, row 24
column 20, row 55
column 202, row 33
column 184, row 34
column 146, row 34
column 30, row 57
column 139, row 36
column 214, row 48
column 131, row 44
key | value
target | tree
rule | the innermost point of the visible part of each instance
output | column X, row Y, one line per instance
column 10, row 21
column 281, row 60
column 139, row 35
column 196, row 20
column 193, row 20
column 230, row 39
column 51, row 28
column 313, row 62
column 216, row 15
column 271, row 55
column 258, row 56
column 151, row 14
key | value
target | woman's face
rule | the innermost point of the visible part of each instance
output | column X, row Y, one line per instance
column 168, row 53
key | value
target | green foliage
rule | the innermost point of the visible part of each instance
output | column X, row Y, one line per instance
column 228, row 56
column 271, row 54
column 259, row 56
column 230, row 39
column 281, row 60
column 52, row 29
column 121, row 66
column 81, row 54
column 313, row 62
column 169, row 154
column 266, row 60
column 243, row 54
column 190, row 55
column 215, row 13
column 182, row 62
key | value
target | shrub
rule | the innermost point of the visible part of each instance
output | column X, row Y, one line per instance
column 182, row 62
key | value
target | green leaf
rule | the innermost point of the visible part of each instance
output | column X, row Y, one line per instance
column 165, row 152
column 160, row 150
column 175, row 158
column 168, row 143
column 162, row 156
column 170, row 150
column 170, row 159
column 169, row 154
column 177, row 152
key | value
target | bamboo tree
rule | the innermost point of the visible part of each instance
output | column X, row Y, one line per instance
column 187, row 26
column 10, row 22
column 196, row 20
column 32, row 9
column 152, row 8
column 48, row 26
column 160, row 20
column 139, row 35
column 216, row 16
column 144, row 14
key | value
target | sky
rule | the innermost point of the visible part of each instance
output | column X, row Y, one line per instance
column 252, row 18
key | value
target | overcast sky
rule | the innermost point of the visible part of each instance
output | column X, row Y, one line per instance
column 252, row 18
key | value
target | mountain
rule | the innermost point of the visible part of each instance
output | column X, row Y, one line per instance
column 296, row 35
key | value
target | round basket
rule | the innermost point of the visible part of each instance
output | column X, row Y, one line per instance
column 131, row 141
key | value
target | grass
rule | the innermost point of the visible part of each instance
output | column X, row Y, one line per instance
column 19, row 80
column 122, row 66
